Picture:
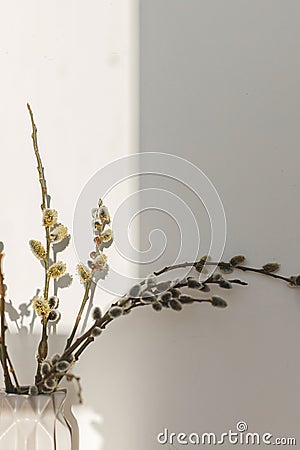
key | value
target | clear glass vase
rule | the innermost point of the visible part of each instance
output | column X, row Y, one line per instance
column 34, row 422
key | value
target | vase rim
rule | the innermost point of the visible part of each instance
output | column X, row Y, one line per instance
column 3, row 393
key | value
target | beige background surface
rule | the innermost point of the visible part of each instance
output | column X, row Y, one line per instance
column 220, row 87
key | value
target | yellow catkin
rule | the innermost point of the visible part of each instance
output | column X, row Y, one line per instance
column 59, row 233
column 83, row 273
column 49, row 217
column 41, row 306
column 57, row 269
column 107, row 235
column 37, row 249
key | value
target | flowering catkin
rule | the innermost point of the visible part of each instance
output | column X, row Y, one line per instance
column 37, row 249
column 49, row 217
column 107, row 235
column 41, row 306
column 57, row 269
column 83, row 273
column 59, row 233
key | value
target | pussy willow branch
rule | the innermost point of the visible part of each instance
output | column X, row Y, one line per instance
column 235, row 281
column 4, row 354
column 42, row 350
column 86, row 339
column 43, row 346
column 218, row 264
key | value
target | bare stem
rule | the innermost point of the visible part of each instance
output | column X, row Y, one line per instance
column 263, row 272
column 12, row 370
column 4, row 356
column 42, row 350
column 43, row 184
column 87, row 342
column 43, row 346
column 39, row 161
column 46, row 290
column 79, row 315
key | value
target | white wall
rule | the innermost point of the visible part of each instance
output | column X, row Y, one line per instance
column 76, row 63
column 77, row 66
column 220, row 87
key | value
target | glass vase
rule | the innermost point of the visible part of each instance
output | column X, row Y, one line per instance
column 34, row 422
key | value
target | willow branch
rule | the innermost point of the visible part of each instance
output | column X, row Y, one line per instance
column 263, row 272
column 4, row 357
column 39, row 161
column 43, row 184
column 43, row 345
column 87, row 342
column 79, row 315
column 219, row 264
column 87, row 338
column 42, row 350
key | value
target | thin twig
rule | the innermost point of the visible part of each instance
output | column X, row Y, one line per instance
column 42, row 350
column 12, row 370
column 39, row 161
column 43, row 346
column 4, row 357
column 89, row 307
column 79, row 315
column 44, row 204
column 263, row 272
column 70, row 377
column 88, row 341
